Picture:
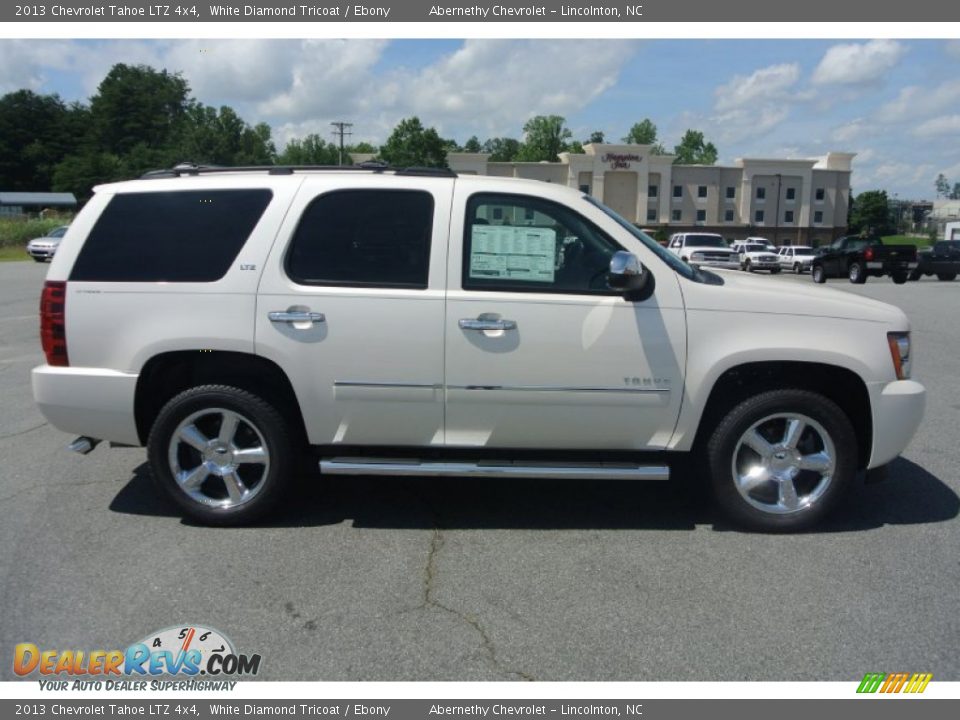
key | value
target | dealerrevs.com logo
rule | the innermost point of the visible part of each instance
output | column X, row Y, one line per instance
column 179, row 651
column 887, row 683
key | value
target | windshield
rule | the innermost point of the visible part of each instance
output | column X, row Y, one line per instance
column 688, row 271
column 755, row 248
column 696, row 240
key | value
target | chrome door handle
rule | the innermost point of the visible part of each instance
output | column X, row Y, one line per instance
column 288, row 316
column 484, row 324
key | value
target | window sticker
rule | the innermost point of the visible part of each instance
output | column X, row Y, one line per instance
column 514, row 253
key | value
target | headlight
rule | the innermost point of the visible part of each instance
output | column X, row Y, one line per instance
column 900, row 352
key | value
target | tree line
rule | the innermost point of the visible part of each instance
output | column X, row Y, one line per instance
column 142, row 119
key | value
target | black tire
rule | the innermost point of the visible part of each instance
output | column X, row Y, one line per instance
column 915, row 275
column 259, row 426
column 899, row 278
column 775, row 271
column 797, row 268
column 946, row 277
column 857, row 273
column 748, row 266
column 826, row 492
column 37, row 259
column 817, row 274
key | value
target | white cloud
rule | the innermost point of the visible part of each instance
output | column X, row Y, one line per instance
column 764, row 85
column 24, row 64
column 952, row 48
column 914, row 100
column 943, row 125
column 856, row 64
column 850, row 131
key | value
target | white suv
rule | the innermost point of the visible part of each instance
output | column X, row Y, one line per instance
column 419, row 323
column 704, row 250
column 757, row 256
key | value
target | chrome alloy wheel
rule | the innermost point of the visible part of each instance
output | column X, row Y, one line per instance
column 784, row 463
column 219, row 458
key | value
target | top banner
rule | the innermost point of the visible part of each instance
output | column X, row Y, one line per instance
column 420, row 11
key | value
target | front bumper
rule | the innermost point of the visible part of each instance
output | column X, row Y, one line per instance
column 729, row 264
column 87, row 401
column 897, row 410
column 41, row 252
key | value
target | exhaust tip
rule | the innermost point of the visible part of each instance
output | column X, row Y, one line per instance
column 83, row 445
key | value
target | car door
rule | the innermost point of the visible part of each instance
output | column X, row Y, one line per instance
column 351, row 306
column 539, row 352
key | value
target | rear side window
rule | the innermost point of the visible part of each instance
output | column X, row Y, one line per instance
column 364, row 238
column 181, row 236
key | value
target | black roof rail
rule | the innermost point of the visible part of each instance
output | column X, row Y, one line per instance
column 193, row 169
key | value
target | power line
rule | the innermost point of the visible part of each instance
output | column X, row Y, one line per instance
column 341, row 129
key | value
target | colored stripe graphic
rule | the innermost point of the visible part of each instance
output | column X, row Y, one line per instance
column 871, row 682
column 890, row 683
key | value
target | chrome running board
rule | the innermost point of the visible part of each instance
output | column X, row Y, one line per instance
column 401, row 467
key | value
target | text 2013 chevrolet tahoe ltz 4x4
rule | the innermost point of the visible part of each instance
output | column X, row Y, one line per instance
column 419, row 323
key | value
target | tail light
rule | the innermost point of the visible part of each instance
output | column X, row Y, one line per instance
column 868, row 254
column 53, row 330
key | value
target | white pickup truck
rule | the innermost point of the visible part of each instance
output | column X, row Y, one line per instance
column 416, row 323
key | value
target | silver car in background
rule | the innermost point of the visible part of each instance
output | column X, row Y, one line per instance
column 44, row 248
column 797, row 258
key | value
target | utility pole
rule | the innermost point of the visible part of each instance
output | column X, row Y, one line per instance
column 341, row 129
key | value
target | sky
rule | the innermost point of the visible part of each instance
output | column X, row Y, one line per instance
column 896, row 103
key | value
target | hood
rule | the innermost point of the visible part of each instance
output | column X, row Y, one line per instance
column 747, row 293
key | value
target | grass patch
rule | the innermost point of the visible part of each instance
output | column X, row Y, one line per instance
column 918, row 240
column 8, row 254
column 18, row 231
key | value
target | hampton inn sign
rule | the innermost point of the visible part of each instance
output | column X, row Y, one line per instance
column 620, row 161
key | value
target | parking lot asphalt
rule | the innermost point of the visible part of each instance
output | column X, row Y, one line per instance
column 389, row 579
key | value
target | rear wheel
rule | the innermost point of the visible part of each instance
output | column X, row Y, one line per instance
column 222, row 454
column 856, row 273
column 797, row 268
column 947, row 276
column 899, row 277
column 782, row 460
column 915, row 275
column 818, row 275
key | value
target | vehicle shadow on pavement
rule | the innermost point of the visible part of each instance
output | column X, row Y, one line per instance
column 910, row 495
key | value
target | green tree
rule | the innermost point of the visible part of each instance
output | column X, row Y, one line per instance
column 955, row 193
column 694, row 150
column 596, row 137
column 36, row 133
column 312, row 150
column 138, row 105
column 545, row 137
column 942, row 185
column 81, row 172
column 502, row 149
column 870, row 213
column 209, row 136
column 412, row 145
column 472, row 145
column 362, row 147
column 575, row 147
column 642, row 133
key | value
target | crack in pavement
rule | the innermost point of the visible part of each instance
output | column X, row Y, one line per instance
column 24, row 432
column 429, row 601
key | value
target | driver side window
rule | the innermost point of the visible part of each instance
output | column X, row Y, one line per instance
column 518, row 243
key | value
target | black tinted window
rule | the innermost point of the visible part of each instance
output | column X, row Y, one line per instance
column 379, row 238
column 182, row 236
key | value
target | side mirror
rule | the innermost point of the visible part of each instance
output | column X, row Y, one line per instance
column 629, row 276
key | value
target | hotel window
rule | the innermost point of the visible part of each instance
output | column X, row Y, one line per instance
column 761, row 193
column 652, row 215
column 585, row 189
column 818, row 217
column 701, row 216
column 758, row 216
column 652, row 191
column 820, row 194
column 788, row 216
column 676, row 216
column 678, row 191
column 791, row 193
column 701, row 191
column 731, row 192
column 728, row 216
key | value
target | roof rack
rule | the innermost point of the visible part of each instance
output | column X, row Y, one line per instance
column 193, row 169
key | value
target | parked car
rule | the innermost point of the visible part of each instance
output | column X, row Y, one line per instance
column 704, row 250
column 942, row 260
column 44, row 248
column 857, row 258
column 797, row 258
column 756, row 256
column 417, row 323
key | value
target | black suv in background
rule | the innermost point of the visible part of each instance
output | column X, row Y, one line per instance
column 942, row 260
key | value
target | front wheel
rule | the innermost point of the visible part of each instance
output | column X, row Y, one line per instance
column 38, row 259
column 221, row 453
column 775, row 271
column 748, row 266
column 797, row 268
column 946, row 276
column 856, row 273
column 781, row 461
column 818, row 275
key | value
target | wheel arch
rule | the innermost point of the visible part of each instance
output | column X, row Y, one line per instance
column 166, row 375
column 841, row 385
